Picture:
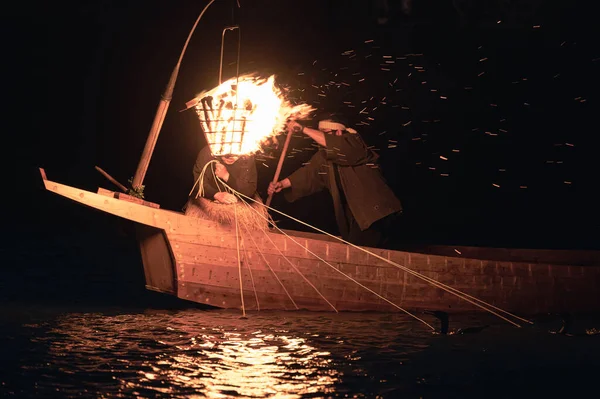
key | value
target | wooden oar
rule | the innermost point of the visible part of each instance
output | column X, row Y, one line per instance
column 280, row 164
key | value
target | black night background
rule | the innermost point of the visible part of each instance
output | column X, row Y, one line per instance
column 486, row 126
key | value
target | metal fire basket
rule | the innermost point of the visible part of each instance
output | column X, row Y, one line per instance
column 223, row 125
column 222, row 122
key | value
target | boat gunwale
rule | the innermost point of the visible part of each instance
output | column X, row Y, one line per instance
column 79, row 195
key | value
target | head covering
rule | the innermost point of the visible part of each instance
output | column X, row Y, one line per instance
column 329, row 125
column 335, row 121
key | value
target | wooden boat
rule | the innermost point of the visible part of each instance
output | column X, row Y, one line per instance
column 210, row 263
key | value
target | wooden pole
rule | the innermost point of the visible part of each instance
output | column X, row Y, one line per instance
column 280, row 164
column 161, row 112
column 112, row 179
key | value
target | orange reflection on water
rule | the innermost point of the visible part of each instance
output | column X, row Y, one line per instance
column 259, row 365
column 144, row 355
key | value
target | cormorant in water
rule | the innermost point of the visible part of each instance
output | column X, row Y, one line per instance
column 567, row 327
column 445, row 322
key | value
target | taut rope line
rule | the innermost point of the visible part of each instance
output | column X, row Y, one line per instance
column 433, row 282
column 300, row 273
column 275, row 246
column 350, row 278
column 237, row 241
column 269, row 266
column 251, row 276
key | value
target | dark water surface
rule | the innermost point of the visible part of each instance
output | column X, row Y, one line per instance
column 65, row 351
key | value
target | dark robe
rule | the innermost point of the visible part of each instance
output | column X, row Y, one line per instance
column 348, row 170
column 242, row 175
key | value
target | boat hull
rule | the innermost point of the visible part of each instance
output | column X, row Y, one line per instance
column 209, row 272
column 214, row 264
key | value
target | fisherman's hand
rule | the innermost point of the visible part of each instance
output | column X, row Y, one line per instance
column 274, row 188
column 294, row 127
column 221, row 171
column 225, row 198
column 278, row 186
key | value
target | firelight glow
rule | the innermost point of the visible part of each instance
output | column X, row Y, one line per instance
column 238, row 115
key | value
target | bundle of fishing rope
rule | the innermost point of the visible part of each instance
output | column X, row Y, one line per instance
column 204, row 208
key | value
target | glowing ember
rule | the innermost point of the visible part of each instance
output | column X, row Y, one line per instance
column 240, row 114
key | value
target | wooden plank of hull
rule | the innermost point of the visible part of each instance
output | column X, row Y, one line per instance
column 205, row 259
column 547, row 256
column 208, row 273
column 518, row 287
column 227, row 297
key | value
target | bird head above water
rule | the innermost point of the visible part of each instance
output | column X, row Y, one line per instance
column 442, row 317
column 567, row 323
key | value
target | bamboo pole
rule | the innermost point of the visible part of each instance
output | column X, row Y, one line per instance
column 161, row 112
column 280, row 164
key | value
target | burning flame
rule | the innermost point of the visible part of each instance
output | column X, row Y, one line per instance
column 241, row 113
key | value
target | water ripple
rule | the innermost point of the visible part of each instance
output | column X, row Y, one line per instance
column 193, row 354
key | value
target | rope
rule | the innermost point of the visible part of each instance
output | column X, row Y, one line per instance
column 350, row 278
column 300, row 273
column 237, row 241
column 251, row 276
column 291, row 264
column 269, row 266
column 430, row 280
column 433, row 282
column 200, row 178
column 200, row 192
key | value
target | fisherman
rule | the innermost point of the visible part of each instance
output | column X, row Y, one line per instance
column 365, row 206
column 238, row 172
